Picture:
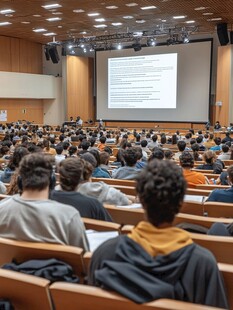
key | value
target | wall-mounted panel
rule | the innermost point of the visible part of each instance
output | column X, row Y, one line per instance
column 23, row 85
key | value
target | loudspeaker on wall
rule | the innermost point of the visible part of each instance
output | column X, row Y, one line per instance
column 54, row 54
column 222, row 33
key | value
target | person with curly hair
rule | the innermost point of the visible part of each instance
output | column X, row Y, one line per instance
column 156, row 260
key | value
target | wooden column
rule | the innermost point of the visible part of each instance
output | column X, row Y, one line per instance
column 80, row 71
column 224, row 87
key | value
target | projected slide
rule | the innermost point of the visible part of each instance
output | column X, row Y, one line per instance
column 142, row 82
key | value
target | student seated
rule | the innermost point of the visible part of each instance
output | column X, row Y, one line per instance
column 211, row 162
column 192, row 177
column 33, row 216
column 129, row 171
column 223, row 195
column 157, row 260
column 70, row 175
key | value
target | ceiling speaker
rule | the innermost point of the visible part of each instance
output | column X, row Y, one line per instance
column 222, row 33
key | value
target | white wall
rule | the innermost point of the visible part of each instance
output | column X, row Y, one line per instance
column 26, row 86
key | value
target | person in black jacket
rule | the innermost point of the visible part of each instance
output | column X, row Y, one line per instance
column 70, row 171
column 157, row 260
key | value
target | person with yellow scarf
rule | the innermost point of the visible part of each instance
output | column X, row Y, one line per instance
column 157, row 260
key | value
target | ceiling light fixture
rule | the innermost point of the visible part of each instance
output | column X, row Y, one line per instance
column 148, row 7
column 52, row 6
column 53, row 19
column 7, row 11
column 93, row 14
column 5, row 23
column 39, row 30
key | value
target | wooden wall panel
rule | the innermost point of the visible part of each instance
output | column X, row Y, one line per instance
column 14, row 54
column 153, row 125
column 223, row 87
column 80, row 87
column 15, row 109
column 17, row 55
column 5, row 52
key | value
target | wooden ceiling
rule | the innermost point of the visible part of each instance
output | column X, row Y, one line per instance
column 29, row 15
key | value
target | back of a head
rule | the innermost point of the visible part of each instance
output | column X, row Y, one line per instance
column 225, row 148
column 161, row 188
column 157, row 153
column 209, row 157
column 59, row 149
column 103, row 139
column 104, row 158
column 181, row 145
column 90, row 158
column 199, row 139
column 154, row 138
column 144, row 143
column 217, row 140
column 130, row 156
column 70, row 171
column 186, row 160
column 35, row 171
column 18, row 155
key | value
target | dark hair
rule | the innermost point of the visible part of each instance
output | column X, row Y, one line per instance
column 87, row 170
column 217, row 140
column 96, row 154
column 209, row 157
column 108, row 150
column 225, row 148
column 157, row 153
column 70, row 170
column 90, row 158
column 161, row 188
column 154, row 138
column 144, row 143
column 181, row 145
column 17, row 156
column 168, row 154
column 72, row 150
column 102, row 139
column 104, row 158
column 130, row 156
column 186, row 160
column 59, row 149
column 85, row 145
column 35, row 171
column 195, row 148
column 199, row 139
column 163, row 139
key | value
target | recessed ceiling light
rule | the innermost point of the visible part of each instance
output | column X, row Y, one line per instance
column 179, row 17
column 100, row 20
column 57, row 13
column 100, row 26
column 25, row 22
column 7, row 11
column 83, row 32
column 49, row 34
column 111, row 7
column 116, row 24
column 128, row 17
column 5, row 23
column 51, row 6
column 140, row 21
column 59, row 26
column 36, row 15
column 39, row 30
column 200, row 8
column 148, row 7
column 93, row 14
column 163, row 20
column 131, row 4
column 207, row 13
column 78, row 11
column 190, row 21
column 214, row 19
column 53, row 19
